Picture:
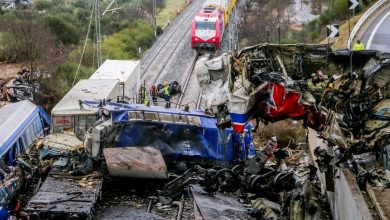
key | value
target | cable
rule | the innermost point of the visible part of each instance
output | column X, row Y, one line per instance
column 85, row 44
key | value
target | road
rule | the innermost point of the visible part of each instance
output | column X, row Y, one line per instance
column 377, row 35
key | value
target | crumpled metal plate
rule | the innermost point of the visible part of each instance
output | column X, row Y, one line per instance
column 135, row 162
column 218, row 206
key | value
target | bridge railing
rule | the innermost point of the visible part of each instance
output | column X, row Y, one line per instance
column 366, row 16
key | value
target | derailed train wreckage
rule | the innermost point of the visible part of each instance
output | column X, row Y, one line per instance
column 129, row 140
column 347, row 103
column 342, row 94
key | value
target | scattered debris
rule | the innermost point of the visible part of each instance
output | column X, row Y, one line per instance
column 24, row 86
column 13, row 4
column 347, row 103
column 212, row 166
column 218, row 206
column 71, row 188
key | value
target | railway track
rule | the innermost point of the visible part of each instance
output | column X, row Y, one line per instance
column 165, row 50
column 191, row 93
column 190, row 74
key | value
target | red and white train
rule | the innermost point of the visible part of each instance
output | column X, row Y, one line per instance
column 209, row 24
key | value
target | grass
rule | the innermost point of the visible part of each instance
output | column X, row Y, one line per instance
column 170, row 11
column 341, row 42
column 1, row 39
column 287, row 133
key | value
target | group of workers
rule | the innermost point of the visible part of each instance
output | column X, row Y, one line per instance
column 155, row 92
column 165, row 91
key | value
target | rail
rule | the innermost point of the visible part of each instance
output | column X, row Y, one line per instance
column 187, row 80
column 199, row 101
column 167, row 40
column 366, row 16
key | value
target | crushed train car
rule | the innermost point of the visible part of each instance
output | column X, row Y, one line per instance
column 342, row 94
column 29, row 123
column 274, row 82
column 135, row 141
column 72, row 187
column 112, row 81
column 190, row 136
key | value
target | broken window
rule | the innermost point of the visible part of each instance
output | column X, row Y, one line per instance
column 133, row 116
column 180, row 118
column 152, row 116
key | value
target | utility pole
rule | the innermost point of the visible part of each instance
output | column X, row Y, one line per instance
column 277, row 6
column 154, row 5
column 98, row 34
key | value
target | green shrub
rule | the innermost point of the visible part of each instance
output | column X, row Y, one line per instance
column 288, row 40
column 125, row 43
column 340, row 9
column 66, row 32
column 64, row 75
column 314, row 35
column 41, row 5
column 325, row 18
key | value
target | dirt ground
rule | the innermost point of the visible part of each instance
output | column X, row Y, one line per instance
column 9, row 70
column 288, row 132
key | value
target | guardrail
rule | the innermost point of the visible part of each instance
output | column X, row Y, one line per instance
column 371, row 11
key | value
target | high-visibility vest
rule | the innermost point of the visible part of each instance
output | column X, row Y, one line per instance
column 166, row 90
column 146, row 100
column 358, row 46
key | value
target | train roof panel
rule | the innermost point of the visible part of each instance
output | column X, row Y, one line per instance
column 13, row 116
column 89, row 89
column 116, row 69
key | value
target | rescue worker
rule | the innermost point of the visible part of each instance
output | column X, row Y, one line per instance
column 146, row 99
column 153, row 93
column 358, row 46
column 167, row 94
column 141, row 94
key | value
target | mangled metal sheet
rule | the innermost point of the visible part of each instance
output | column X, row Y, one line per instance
column 65, row 196
column 66, row 141
column 136, row 162
column 219, row 206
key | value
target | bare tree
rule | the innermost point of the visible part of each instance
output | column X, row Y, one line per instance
column 28, row 41
column 261, row 22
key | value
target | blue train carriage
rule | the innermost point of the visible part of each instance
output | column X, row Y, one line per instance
column 21, row 124
column 191, row 136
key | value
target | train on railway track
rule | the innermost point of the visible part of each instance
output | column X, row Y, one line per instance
column 209, row 24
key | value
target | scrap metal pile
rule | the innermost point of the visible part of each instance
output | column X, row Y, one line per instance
column 15, row 176
column 277, row 183
column 24, row 86
column 71, row 187
column 342, row 94
column 53, row 179
column 13, row 4
column 282, row 188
